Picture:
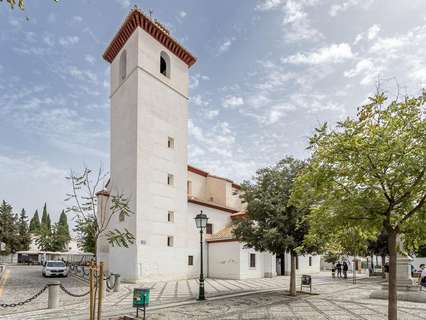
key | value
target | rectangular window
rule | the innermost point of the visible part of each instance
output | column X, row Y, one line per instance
column 170, row 241
column 310, row 261
column 189, row 187
column 209, row 228
column 252, row 260
column 170, row 179
column 171, row 216
column 297, row 262
column 171, row 143
column 190, row 260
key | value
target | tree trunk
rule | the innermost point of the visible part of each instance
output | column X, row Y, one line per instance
column 293, row 274
column 392, row 297
column 383, row 266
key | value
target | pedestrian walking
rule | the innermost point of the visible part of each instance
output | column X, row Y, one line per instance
column 339, row 269
column 345, row 269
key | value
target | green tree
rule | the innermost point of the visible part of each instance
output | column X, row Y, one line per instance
column 86, row 234
column 45, row 219
column 370, row 172
column 35, row 223
column 93, row 218
column 272, row 224
column 62, row 231
column 8, row 229
column 24, row 236
column 379, row 247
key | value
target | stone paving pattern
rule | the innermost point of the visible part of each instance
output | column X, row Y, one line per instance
column 333, row 299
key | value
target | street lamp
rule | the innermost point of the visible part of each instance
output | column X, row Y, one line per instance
column 201, row 223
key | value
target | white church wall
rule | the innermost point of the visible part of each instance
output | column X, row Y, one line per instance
column 246, row 271
column 162, row 113
column 219, row 219
column 224, row 260
column 199, row 186
column 124, row 133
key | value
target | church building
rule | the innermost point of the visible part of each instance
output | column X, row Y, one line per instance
column 149, row 166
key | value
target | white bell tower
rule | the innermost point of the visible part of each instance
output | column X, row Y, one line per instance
column 149, row 118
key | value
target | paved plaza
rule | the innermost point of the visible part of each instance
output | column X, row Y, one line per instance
column 227, row 299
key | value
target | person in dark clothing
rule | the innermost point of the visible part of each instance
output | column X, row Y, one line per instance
column 339, row 269
column 345, row 270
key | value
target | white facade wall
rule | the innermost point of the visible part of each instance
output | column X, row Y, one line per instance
column 219, row 219
column 303, row 264
column 224, row 260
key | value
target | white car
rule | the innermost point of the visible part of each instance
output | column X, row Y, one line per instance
column 55, row 269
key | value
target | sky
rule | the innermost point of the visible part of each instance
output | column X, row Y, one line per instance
column 268, row 72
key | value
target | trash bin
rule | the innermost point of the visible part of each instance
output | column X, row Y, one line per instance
column 141, row 300
column 306, row 281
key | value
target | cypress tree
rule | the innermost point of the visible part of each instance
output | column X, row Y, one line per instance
column 24, row 236
column 45, row 219
column 62, row 231
column 35, row 223
column 8, row 229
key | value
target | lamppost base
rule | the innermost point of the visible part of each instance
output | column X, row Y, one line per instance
column 201, row 299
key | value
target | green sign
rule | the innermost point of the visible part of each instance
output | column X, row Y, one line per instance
column 140, row 297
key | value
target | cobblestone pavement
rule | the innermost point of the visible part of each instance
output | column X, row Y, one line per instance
column 22, row 282
column 337, row 299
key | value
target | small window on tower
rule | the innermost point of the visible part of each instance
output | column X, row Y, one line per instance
column 165, row 64
column 190, row 260
column 123, row 65
column 171, row 216
column 170, row 179
column 170, row 241
column 171, row 143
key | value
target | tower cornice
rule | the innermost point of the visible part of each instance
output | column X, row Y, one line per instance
column 137, row 19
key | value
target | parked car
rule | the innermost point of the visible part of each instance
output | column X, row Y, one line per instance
column 55, row 269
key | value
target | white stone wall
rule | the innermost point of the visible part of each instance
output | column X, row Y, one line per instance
column 220, row 219
column 224, row 260
column 303, row 264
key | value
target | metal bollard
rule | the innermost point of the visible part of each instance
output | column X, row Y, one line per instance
column 116, row 282
column 53, row 298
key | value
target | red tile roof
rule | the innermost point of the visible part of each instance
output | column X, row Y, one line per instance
column 137, row 19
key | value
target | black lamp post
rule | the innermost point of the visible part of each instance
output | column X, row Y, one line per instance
column 201, row 223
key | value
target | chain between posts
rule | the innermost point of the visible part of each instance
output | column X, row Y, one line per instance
column 21, row 303
column 72, row 294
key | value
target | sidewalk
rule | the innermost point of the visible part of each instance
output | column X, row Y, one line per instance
column 172, row 293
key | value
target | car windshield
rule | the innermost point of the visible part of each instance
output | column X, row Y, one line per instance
column 56, row 264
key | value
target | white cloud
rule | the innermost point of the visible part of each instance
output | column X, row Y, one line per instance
column 89, row 58
column 123, row 3
column 182, row 14
column 199, row 101
column 361, row 66
column 225, row 45
column 211, row 114
column 297, row 25
column 277, row 112
column 265, row 5
column 194, row 81
column 342, row 6
column 373, row 31
column 335, row 53
column 233, row 101
column 68, row 41
column 77, row 19
column 49, row 40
